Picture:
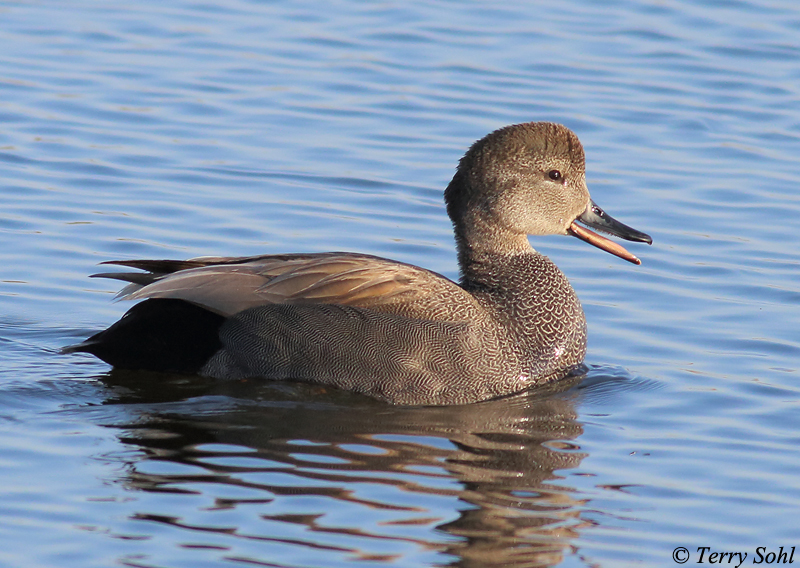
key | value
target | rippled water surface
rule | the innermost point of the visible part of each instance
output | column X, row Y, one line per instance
column 178, row 129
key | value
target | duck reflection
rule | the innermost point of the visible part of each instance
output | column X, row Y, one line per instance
column 330, row 471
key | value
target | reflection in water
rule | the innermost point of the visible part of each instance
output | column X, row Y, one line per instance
column 326, row 470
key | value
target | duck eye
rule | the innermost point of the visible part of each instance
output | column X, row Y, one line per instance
column 554, row 175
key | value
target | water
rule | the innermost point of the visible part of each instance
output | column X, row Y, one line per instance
column 178, row 129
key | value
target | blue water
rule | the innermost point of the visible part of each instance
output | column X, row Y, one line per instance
column 179, row 129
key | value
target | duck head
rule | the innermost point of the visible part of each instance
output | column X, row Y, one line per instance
column 528, row 179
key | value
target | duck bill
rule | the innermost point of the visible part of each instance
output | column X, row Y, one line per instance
column 596, row 218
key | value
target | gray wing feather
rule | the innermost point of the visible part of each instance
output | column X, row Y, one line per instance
column 230, row 285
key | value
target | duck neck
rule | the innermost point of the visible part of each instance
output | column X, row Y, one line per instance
column 482, row 249
column 531, row 299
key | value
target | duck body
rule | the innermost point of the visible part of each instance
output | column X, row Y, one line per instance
column 383, row 328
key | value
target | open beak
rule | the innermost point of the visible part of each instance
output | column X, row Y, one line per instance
column 598, row 219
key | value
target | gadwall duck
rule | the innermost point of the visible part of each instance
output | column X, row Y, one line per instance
column 387, row 329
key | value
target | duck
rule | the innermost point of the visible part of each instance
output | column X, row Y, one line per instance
column 390, row 330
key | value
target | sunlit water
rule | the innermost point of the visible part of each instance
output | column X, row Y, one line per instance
column 177, row 129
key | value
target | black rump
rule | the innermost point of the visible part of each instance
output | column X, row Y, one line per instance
column 158, row 335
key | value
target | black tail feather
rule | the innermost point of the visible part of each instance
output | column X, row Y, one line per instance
column 158, row 335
